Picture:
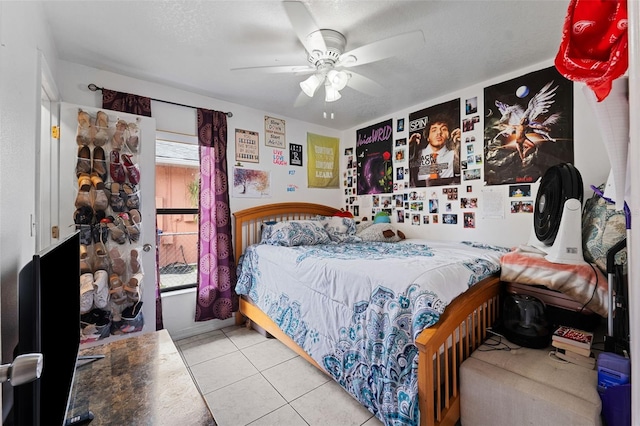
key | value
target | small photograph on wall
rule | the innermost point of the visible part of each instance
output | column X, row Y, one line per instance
column 415, row 219
column 471, row 105
column 400, row 215
column 525, row 206
column 450, row 219
column 519, row 190
column 469, row 219
column 528, row 127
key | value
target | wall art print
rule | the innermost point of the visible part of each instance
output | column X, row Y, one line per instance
column 274, row 132
column 528, row 127
column 247, row 148
column 323, row 167
column 374, row 145
column 434, row 145
column 251, row 183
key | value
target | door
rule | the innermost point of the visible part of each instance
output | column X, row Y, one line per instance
column 121, row 202
column 47, row 161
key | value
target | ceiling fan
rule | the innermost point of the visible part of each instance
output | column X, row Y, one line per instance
column 329, row 64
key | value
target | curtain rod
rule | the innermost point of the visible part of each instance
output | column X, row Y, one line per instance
column 94, row 88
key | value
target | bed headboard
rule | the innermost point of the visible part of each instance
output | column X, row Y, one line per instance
column 248, row 222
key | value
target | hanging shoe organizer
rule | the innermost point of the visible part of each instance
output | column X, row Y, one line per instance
column 107, row 178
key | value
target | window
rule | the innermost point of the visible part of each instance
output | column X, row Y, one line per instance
column 177, row 189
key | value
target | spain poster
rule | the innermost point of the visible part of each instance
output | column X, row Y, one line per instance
column 323, row 165
column 374, row 145
column 434, row 145
column 528, row 127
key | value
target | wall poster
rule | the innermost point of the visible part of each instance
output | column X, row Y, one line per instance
column 295, row 154
column 528, row 127
column 323, row 167
column 251, row 183
column 247, row 148
column 434, row 145
column 274, row 132
column 374, row 145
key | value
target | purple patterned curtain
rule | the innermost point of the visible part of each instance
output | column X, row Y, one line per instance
column 126, row 102
column 216, row 267
column 139, row 105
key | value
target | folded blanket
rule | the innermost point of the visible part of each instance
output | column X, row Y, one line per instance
column 584, row 283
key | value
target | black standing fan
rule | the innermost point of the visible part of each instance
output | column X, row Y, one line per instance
column 557, row 216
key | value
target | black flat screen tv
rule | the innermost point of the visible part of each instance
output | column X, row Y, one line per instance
column 49, row 323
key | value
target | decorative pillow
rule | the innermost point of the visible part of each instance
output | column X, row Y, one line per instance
column 602, row 228
column 382, row 232
column 340, row 229
column 294, row 233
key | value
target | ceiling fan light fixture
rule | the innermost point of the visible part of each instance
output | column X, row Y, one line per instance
column 310, row 85
column 331, row 93
column 338, row 79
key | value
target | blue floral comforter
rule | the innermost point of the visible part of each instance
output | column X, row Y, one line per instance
column 357, row 308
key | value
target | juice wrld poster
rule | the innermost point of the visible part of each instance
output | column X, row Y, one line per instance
column 374, row 145
column 528, row 127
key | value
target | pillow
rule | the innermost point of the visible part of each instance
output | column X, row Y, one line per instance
column 602, row 228
column 381, row 232
column 340, row 229
column 294, row 233
column 343, row 213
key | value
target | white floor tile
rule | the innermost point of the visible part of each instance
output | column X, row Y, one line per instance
column 373, row 421
column 283, row 416
column 198, row 351
column 197, row 337
column 330, row 405
column 244, row 337
column 244, row 401
column 268, row 353
column 295, row 377
column 222, row 371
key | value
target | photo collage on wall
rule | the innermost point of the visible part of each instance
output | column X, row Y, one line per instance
column 509, row 136
column 108, row 218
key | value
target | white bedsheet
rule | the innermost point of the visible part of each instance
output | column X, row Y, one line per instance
column 357, row 308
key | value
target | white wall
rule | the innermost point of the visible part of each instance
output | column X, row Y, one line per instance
column 73, row 83
column 179, row 307
column 24, row 40
column 590, row 160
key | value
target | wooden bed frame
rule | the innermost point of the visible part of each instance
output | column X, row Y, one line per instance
column 442, row 347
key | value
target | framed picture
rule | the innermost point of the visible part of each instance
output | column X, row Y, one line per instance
column 400, row 125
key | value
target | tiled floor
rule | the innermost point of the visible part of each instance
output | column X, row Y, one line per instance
column 248, row 379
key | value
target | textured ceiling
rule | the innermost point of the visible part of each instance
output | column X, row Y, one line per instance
column 193, row 45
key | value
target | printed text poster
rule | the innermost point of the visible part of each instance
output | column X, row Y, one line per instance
column 323, row 165
column 274, row 132
column 247, row 148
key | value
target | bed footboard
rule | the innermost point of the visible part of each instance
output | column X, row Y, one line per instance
column 443, row 347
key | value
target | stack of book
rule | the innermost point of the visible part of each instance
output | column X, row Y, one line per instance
column 574, row 345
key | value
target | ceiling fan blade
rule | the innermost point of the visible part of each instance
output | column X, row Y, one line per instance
column 381, row 49
column 304, row 26
column 365, row 85
column 277, row 69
